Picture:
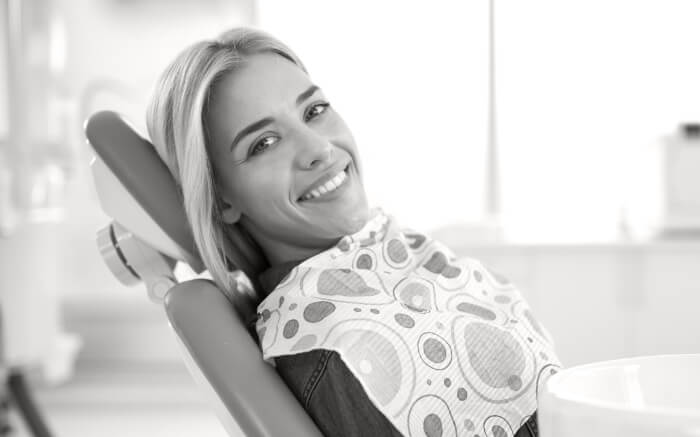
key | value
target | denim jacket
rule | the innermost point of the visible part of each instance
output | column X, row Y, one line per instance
column 329, row 391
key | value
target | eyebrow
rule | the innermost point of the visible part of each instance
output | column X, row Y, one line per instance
column 267, row 120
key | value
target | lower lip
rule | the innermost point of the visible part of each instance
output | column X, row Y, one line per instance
column 327, row 197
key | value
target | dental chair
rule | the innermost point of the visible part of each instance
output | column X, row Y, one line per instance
column 148, row 236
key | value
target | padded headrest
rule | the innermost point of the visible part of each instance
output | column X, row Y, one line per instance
column 135, row 162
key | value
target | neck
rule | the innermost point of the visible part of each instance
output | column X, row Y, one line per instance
column 278, row 251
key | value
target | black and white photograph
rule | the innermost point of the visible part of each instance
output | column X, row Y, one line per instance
column 292, row 218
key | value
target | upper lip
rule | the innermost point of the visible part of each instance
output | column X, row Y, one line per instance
column 325, row 177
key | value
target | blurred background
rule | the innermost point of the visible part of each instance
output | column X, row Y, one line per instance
column 558, row 141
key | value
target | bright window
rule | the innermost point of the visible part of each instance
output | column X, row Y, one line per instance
column 585, row 92
column 587, row 89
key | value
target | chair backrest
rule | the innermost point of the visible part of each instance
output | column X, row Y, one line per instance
column 221, row 354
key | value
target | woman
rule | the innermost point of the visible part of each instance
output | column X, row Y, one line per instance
column 267, row 167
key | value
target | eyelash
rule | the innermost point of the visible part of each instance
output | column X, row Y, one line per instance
column 325, row 106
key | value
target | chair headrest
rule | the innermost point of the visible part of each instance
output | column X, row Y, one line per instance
column 135, row 162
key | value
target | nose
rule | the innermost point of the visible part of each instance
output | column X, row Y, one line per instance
column 313, row 149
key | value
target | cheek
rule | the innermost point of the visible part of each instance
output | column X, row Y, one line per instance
column 340, row 129
column 256, row 189
column 339, row 133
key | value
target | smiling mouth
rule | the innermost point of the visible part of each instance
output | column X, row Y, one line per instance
column 327, row 188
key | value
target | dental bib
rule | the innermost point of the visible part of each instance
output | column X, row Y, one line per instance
column 441, row 345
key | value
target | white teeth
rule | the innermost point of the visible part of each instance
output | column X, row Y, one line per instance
column 329, row 186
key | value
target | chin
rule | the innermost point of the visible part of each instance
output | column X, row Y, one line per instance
column 357, row 220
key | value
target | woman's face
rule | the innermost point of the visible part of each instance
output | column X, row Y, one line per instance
column 275, row 144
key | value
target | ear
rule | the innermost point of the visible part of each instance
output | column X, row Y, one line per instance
column 230, row 213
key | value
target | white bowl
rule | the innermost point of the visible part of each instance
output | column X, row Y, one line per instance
column 637, row 397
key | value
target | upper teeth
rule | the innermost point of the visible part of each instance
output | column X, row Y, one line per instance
column 329, row 186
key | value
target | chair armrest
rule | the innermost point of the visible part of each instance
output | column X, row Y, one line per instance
column 221, row 346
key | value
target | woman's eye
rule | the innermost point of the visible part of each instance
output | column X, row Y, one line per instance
column 262, row 145
column 315, row 110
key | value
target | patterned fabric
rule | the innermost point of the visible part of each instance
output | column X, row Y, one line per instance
column 441, row 345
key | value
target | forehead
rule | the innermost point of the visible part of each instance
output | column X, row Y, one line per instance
column 262, row 85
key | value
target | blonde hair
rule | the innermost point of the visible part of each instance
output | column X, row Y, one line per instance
column 176, row 125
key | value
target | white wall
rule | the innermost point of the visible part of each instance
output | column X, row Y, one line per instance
column 3, row 74
column 118, row 49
